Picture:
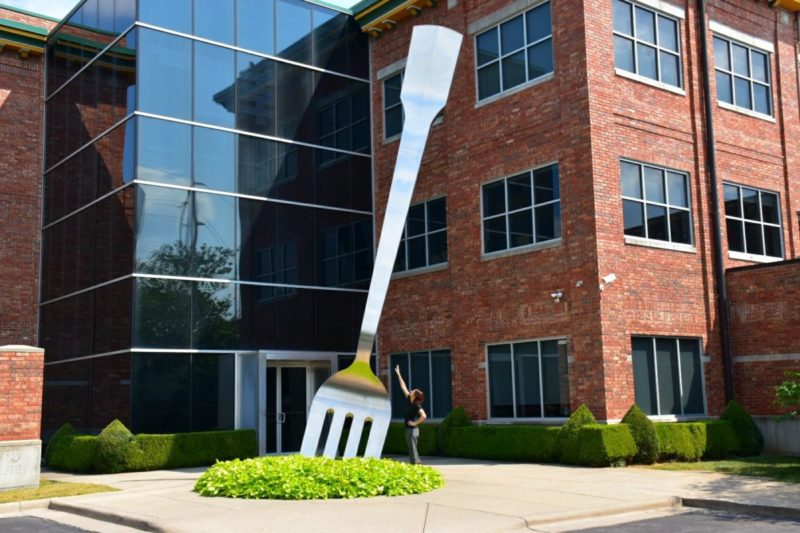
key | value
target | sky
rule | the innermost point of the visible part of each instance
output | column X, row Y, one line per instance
column 52, row 8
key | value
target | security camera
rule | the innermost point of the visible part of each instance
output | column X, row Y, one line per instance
column 610, row 278
column 556, row 295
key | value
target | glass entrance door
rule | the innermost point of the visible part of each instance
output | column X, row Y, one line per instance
column 292, row 417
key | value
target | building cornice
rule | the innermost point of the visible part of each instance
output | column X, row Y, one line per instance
column 23, row 38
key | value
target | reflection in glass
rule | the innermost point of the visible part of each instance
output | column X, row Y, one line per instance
column 174, row 14
column 164, row 151
column 254, row 93
column 161, row 393
column 212, row 392
column 213, row 19
column 293, row 30
column 255, row 25
column 213, row 74
column 165, row 74
column 500, row 388
column 162, row 312
column 214, row 159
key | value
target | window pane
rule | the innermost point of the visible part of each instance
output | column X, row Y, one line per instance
column 294, row 30
column 511, row 35
column 487, row 46
column 555, row 378
column 770, row 208
column 500, row 388
column 165, row 77
column 667, row 33
column 545, row 182
column 255, row 94
column 520, row 228
column 494, row 234
column 548, row 222
column 753, row 239
column 740, row 62
column 437, row 248
column 631, row 181
column 494, row 198
column 721, row 58
column 750, row 203
column 677, row 190
column 399, row 402
column 415, row 222
column 772, row 241
column 647, row 61
column 441, row 384
column 633, row 215
column 538, row 21
column 654, row 185
column 724, row 89
column 214, row 159
column 645, row 25
column 691, row 377
column 214, row 20
column 165, row 151
column 437, row 214
column 162, row 313
column 394, row 121
column 175, row 14
column 513, row 70
column 162, row 234
column 526, row 373
column 160, row 393
column 400, row 260
column 391, row 90
column 679, row 226
column 623, row 19
column 255, row 25
column 488, row 80
column 420, row 377
column 735, row 235
column 656, row 222
column 761, row 98
column 760, row 66
column 519, row 191
column 670, row 72
column 540, row 59
column 741, row 93
column 669, row 392
column 416, row 253
column 623, row 53
column 212, row 392
column 213, row 235
column 644, row 375
column 732, row 205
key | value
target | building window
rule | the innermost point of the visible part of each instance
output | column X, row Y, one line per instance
column 514, row 52
column 521, row 210
column 646, row 43
column 528, row 379
column 392, row 106
column 668, row 376
column 742, row 75
column 344, row 125
column 277, row 264
column 431, row 373
column 347, row 254
column 424, row 241
column 753, row 221
column 655, row 203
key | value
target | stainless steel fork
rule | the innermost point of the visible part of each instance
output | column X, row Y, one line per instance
column 356, row 391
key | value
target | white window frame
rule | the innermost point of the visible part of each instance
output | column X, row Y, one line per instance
column 719, row 32
column 748, row 256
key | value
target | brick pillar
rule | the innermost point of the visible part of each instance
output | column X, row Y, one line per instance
column 21, row 379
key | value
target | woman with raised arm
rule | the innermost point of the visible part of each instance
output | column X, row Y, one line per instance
column 414, row 416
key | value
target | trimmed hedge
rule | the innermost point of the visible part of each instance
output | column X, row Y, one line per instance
column 721, row 440
column 456, row 418
column 535, row 444
column 605, row 445
column 396, row 439
column 750, row 437
column 681, row 441
column 117, row 450
column 644, row 434
column 569, row 436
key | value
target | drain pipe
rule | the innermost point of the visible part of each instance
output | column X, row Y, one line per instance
column 711, row 162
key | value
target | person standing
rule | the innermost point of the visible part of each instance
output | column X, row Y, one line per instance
column 414, row 416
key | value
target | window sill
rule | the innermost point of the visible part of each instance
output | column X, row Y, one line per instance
column 521, row 250
column 518, row 88
column 546, row 421
column 741, row 256
column 664, row 245
column 396, row 137
column 743, row 111
column 647, row 81
column 422, row 270
column 677, row 418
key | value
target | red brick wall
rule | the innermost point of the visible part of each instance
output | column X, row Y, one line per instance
column 765, row 335
column 586, row 118
column 21, row 375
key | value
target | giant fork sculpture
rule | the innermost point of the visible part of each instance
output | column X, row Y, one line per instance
column 356, row 391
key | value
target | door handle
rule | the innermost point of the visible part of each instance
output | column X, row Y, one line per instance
column 281, row 418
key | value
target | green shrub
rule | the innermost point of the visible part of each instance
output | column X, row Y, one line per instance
column 721, row 440
column 536, row 444
column 456, row 418
column 568, row 437
column 56, row 444
column 182, row 450
column 114, row 445
column 295, row 477
column 681, row 441
column 72, row 453
column 395, row 443
column 750, row 437
column 605, row 445
column 644, row 434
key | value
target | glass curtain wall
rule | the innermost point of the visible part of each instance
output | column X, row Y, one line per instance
column 197, row 196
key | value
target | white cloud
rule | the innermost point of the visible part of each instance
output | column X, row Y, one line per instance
column 52, row 8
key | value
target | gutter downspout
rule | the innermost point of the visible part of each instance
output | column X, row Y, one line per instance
column 711, row 162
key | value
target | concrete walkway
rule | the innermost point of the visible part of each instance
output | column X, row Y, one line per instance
column 478, row 496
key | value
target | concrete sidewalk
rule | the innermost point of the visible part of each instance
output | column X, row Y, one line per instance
column 478, row 496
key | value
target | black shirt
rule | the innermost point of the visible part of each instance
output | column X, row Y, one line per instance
column 412, row 412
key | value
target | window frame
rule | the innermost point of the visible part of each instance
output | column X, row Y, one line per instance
column 500, row 56
column 561, row 341
column 335, row 258
column 733, row 106
column 525, row 247
column 386, row 109
column 644, row 201
column 429, row 393
column 668, row 416
column 277, row 289
column 657, row 45
column 425, row 234
column 749, row 256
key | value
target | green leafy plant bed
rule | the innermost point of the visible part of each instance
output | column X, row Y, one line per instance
column 295, row 477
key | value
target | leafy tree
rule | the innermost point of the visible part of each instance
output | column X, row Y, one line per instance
column 787, row 394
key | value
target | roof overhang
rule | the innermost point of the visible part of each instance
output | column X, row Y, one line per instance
column 23, row 38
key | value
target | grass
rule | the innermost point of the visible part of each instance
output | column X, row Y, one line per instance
column 52, row 489
column 770, row 467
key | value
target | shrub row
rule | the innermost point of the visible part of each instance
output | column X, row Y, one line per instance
column 117, row 450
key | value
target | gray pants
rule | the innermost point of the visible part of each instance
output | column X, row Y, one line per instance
column 412, row 436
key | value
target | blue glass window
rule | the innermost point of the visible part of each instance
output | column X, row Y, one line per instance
column 213, row 81
column 255, row 25
column 165, row 74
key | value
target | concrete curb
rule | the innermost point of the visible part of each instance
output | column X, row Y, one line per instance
column 742, row 508
column 16, row 507
column 121, row 519
column 661, row 503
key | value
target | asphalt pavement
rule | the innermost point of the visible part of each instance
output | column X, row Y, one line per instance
column 32, row 524
column 703, row 522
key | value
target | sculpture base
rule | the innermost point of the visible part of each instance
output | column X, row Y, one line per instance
column 19, row 463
